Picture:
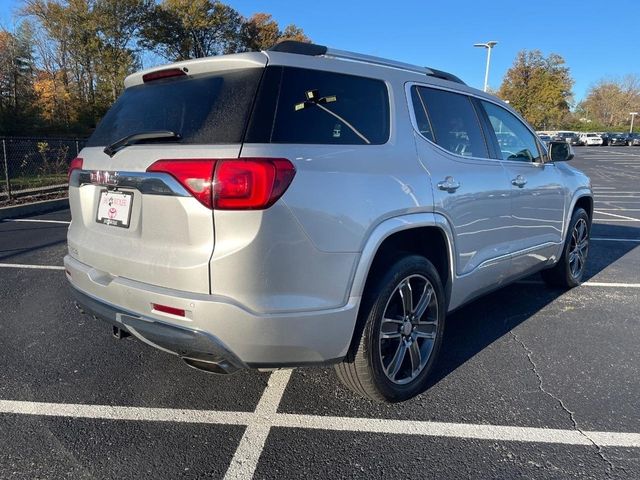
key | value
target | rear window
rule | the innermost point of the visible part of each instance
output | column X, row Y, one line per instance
column 297, row 105
column 204, row 109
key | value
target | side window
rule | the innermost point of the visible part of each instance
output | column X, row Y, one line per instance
column 422, row 121
column 450, row 120
column 515, row 140
column 298, row 105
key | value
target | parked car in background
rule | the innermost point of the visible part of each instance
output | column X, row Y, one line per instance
column 307, row 206
column 617, row 139
column 605, row 137
column 590, row 139
column 545, row 138
column 572, row 138
column 633, row 139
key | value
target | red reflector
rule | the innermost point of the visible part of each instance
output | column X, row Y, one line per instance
column 194, row 175
column 160, row 74
column 76, row 164
column 173, row 311
column 251, row 183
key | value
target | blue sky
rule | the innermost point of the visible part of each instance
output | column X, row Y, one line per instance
column 597, row 39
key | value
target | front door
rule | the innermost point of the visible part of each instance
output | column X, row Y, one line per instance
column 537, row 195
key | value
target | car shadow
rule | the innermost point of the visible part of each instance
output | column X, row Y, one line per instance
column 477, row 325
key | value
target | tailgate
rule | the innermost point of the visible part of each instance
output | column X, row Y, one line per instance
column 157, row 226
column 169, row 237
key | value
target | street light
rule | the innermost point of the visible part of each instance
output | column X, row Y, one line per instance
column 488, row 46
column 633, row 115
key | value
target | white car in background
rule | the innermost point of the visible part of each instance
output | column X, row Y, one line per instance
column 591, row 139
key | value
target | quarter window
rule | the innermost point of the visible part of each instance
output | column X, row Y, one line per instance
column 450, row 120
column 515, row 140
column 298, row 105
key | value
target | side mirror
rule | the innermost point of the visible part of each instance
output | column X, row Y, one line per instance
column 560, row 151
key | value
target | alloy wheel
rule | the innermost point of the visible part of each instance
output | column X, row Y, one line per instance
column 578, row 248
column 409, row 329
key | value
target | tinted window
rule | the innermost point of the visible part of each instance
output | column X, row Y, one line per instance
column 453, row 121
column 516, row 141
column 206, row 109
column 422, row 121
column 297, row 105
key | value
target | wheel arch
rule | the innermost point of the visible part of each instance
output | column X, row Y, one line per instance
column 582, row 198
column 426, row 234
column 423, row 234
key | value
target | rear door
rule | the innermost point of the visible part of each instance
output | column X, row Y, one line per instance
column 144, row 212
column 471, row 189
column 537, row 192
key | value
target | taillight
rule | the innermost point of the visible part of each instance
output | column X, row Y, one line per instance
column 252, row 183
column 194, row 175
column 237, row 184
column 160, row 74
column 76, row 164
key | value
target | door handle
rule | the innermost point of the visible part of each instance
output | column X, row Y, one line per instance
column 449, row 184
column 519, row 181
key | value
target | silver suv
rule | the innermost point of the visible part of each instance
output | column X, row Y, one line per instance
column 308, row 206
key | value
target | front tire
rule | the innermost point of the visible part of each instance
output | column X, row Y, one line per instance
column 569, row 270
column 403, row 313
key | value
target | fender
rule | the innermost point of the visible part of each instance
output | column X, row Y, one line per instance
column 581, row 192
column 397, row 224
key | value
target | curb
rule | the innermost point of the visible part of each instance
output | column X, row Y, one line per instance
column 44, row 206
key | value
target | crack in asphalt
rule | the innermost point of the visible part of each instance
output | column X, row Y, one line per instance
column 534, row 369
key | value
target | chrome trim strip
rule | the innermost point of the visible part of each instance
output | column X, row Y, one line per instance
column 149, row 183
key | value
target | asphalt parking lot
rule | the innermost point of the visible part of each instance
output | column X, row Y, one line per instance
column 532, row 382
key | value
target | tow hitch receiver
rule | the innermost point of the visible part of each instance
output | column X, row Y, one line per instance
column 119, row 333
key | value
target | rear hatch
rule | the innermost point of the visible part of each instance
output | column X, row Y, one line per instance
column 136, row 211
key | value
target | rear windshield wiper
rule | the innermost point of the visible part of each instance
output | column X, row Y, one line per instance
column 112, row 149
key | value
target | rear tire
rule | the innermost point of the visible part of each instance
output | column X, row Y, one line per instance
column 402, row 319
column 569, row 270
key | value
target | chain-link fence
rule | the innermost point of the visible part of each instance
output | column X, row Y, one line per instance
column 35, row 165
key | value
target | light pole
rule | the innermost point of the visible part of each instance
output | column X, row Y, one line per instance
column 633, row 115
column 488, row 46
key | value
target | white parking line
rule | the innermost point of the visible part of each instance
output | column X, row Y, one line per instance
column 586, row 284
column 245, row 461
column 605, row 239
column 604, row 221
column 39, row 267
column 616, row 215
column 266, row 417
column 35, row 220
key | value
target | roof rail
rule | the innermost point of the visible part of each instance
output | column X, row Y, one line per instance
column 444, row 75
column 302, row 48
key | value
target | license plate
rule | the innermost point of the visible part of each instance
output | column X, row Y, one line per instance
column 115, row 208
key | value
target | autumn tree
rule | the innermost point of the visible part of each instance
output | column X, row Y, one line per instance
column 539, row 88
column 65, row 72
column 609, row 101
column 261, row 31
column 17, row 94
column 183, row 29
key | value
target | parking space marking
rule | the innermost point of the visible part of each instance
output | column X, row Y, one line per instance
column 605, row 239
column 265, row 417
column 35, row 220
column 245, row 461
column 617, row 216
column 586, row 284
column 604, row 221
column 40, row 267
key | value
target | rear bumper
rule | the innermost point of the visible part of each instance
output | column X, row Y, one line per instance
column 186, row 343
column 214, row 329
